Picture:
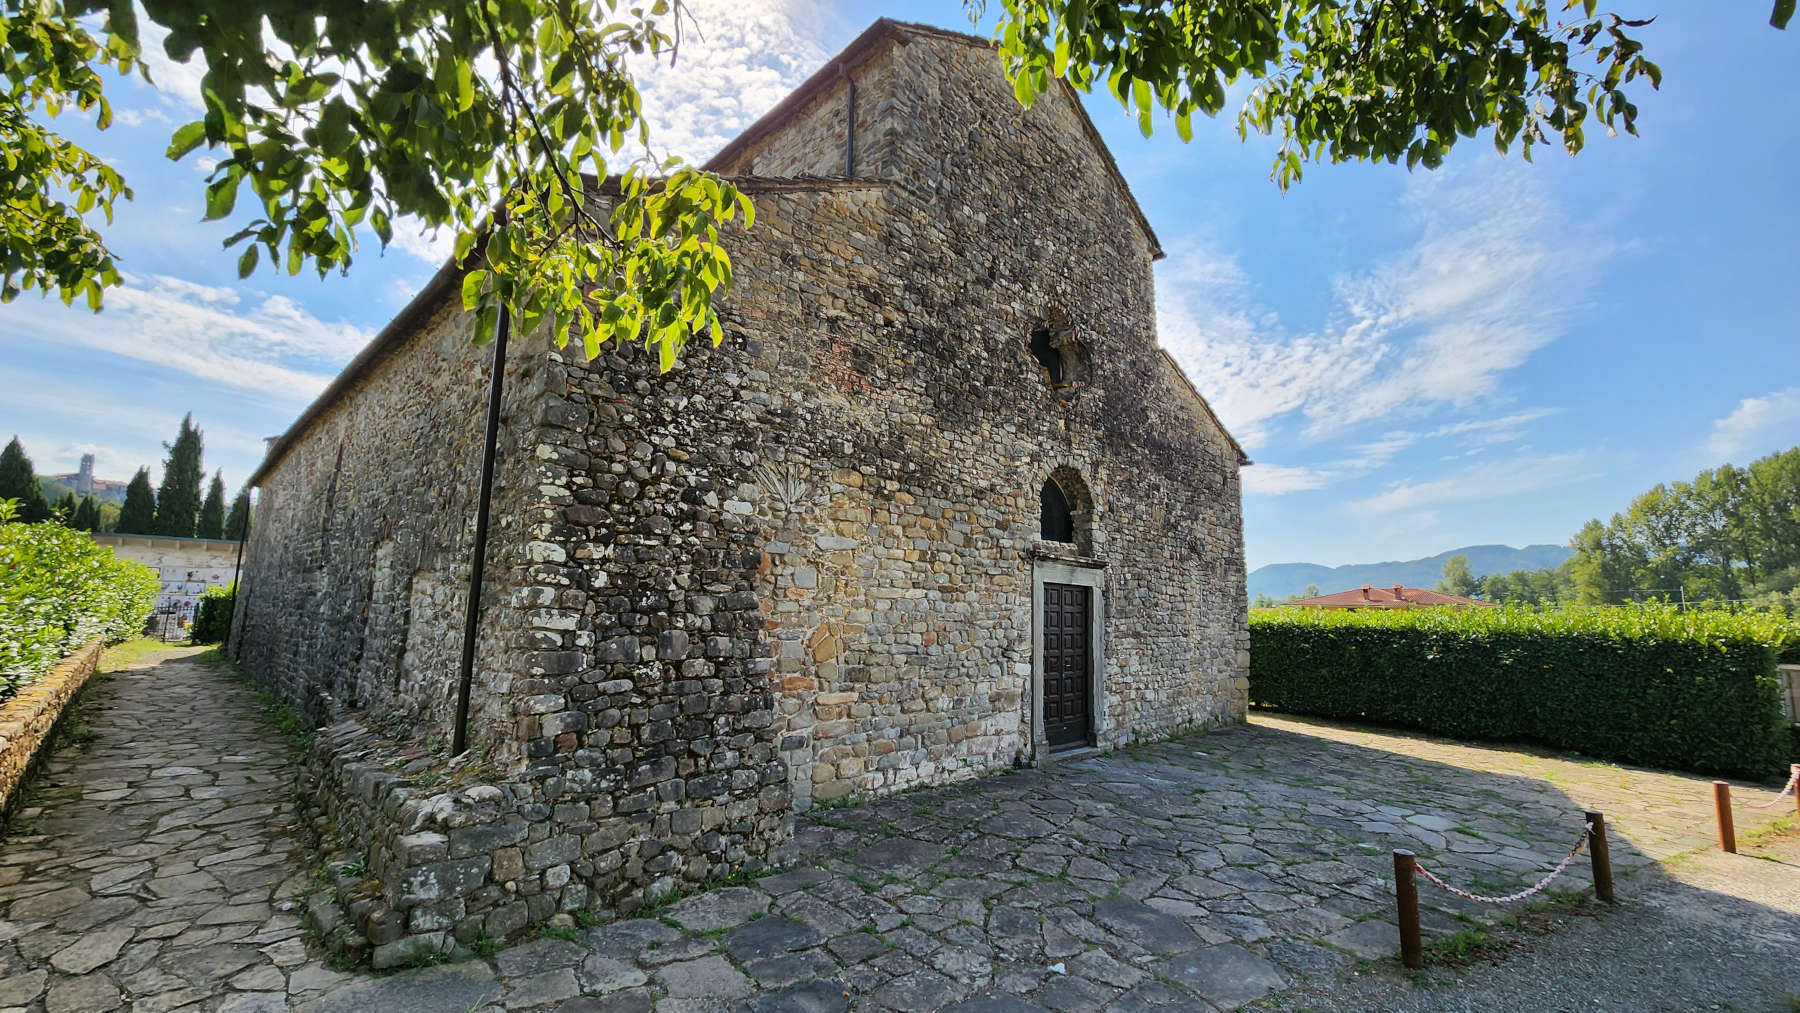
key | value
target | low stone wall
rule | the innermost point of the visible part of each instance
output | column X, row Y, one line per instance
column 422, row 870
column 29, row 716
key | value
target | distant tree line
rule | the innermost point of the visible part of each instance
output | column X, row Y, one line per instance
column 176, row 508
column 1730, row 535
column 1269, row 601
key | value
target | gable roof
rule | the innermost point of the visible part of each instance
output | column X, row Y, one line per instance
column 866, row 45
column 1200, row 399
column 1392, row 597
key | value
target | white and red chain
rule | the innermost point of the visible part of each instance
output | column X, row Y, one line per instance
column 1522, row 894
column 1786, row 790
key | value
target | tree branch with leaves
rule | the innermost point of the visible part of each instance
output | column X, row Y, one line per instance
column 502, row 120
column 1345, row 80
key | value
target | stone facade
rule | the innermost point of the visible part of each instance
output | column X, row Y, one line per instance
column 802, row 564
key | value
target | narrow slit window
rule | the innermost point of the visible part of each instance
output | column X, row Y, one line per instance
column 1048, row 355
column 1057, row 522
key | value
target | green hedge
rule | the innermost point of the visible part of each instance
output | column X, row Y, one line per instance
column 1646, row 684
column 212, row 619
column 57, row 589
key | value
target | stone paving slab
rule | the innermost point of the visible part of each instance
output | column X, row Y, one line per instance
column 157, row 870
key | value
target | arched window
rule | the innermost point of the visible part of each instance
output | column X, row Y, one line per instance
column 1066, row 511
column 1056, row 520
column 1047, row 354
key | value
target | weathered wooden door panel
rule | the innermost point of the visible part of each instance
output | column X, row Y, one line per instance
column 1068, row 665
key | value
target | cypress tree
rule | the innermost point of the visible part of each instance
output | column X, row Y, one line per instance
column 64, row 511
column 18, row 480
column 239, row 518
column 178, row 500
column 138, row 515
column 212, row 512
column 87, row 515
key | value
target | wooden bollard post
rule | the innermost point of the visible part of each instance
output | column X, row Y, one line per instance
column 1601, row 857
column 1722, row 810
column 1406, row 892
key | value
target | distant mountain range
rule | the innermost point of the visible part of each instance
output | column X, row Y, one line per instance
column 1287, row 580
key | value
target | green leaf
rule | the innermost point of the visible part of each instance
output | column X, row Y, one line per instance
column 247, row 262
column 221, row 197
column 186, row 138
column 1783, row 13
column 471, row 288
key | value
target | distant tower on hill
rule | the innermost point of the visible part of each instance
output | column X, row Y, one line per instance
column 84, row 478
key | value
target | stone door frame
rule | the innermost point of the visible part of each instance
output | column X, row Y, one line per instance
column 1093, row 577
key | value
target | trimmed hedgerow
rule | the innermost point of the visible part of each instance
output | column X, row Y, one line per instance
column 1645, row 684
column 212, row 619
column 58, row 589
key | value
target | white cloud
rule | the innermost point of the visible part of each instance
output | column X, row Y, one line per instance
column 270, row 345
column 1278, row 480
column 139, row 117
column 1439, row 324
column 1756, row 426
column 735, row 62
column 178, row 82
column 1493, row 479
column 737, row 59
column 434, row 246
column 67, row 415
column 1485, row 426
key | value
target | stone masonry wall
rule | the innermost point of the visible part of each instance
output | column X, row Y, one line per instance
column 861, row 461
column 442, row 867
column 909, row 432
column 29, row 716
column 356, row 568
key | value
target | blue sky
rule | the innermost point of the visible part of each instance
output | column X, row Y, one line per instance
column 1489, row 353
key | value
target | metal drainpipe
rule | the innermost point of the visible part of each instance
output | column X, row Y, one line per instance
column 472, row 616
column 237, row 573
column 850, row 131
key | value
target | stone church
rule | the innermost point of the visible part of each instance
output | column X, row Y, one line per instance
column 938, row 506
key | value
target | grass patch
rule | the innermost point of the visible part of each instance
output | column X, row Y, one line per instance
column 127, row 653
column 568, row 932
column 486, row 945
column 1781, row 826
column 1460, row 949
column 850, row 800
column 656, row 903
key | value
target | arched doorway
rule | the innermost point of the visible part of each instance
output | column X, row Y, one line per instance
column 1068, row 619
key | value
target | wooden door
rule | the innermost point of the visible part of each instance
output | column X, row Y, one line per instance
column 1068, row 665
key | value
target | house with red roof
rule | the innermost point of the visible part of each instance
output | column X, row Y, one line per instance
column 1395, row 597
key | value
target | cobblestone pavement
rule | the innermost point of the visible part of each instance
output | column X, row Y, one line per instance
column 157, row 866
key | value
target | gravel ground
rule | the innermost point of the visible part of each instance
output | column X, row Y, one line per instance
column 1708, row 932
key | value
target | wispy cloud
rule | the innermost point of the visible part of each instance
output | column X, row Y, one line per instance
column 1504, row 423
column 1758, row 425
column 268, row 344
column 1277, row 480
column 1437, row 325
column 1488, row 480
column 141, row 116
column 178, row 82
